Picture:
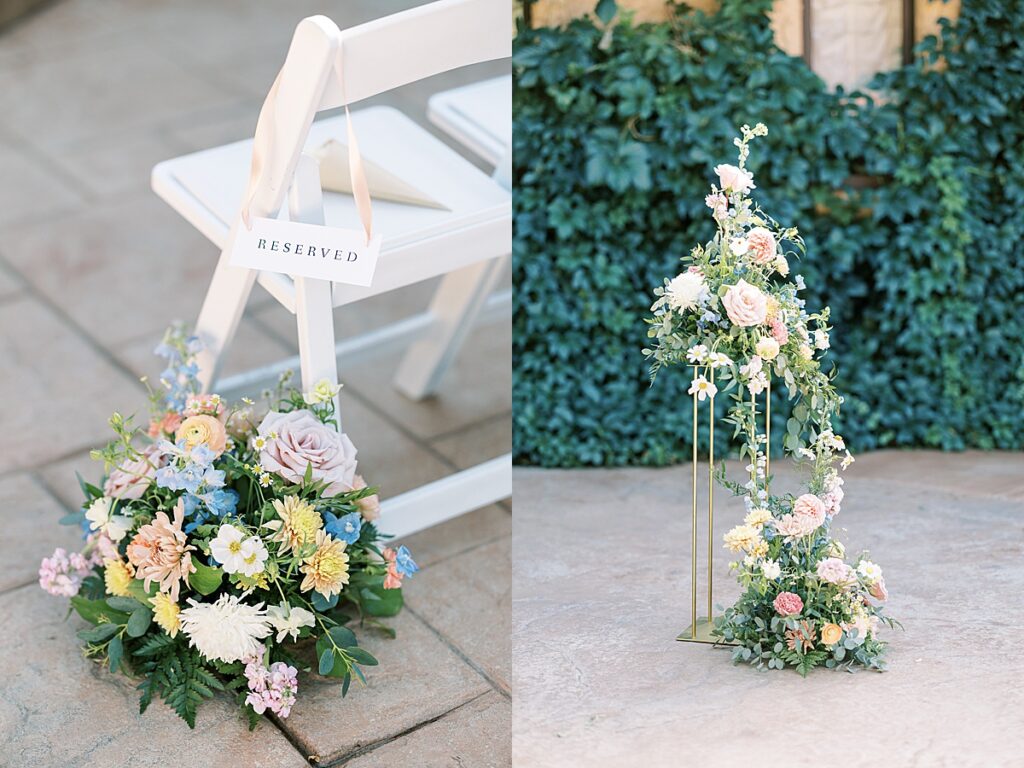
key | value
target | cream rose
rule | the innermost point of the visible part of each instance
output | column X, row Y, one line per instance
column 734, row 179
column 761, row 245
column 745, row 304
column 767, row 348
column 298, row 440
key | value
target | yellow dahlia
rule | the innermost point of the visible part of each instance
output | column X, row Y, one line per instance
column 326, row 569
column 165, row 613
column 742, row 538
column 117, row 576
column 300, row 523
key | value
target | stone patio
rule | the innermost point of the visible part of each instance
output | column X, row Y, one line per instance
column 92, row 95
column 602, row 590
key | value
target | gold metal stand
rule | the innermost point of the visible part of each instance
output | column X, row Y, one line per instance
column 700, row 628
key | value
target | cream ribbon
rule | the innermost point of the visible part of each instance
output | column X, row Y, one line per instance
column 263, row 143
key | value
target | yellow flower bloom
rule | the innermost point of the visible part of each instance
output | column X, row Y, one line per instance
column 300, row 523
column 757, row 516
column 758, row 549
column 831, row 634
column 117, row 576
column 742, row 538
column 326, row 569
column 165, row 613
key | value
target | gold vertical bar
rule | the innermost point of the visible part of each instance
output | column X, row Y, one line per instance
column 711, row 497
column 693, row 539
column 768, row 433
column 753, row 437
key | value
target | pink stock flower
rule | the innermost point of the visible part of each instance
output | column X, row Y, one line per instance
column 393, row 579
column 61, row 574
column 788, row 604
column 272, row 688
column 779, row 332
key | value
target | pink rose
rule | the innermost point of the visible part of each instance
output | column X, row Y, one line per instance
column 298, row 440
column 734, row 179
column 369, row 506
column 131, row 479
column 878, row 591
column 834, row 571
column 810, row 509
column 761, row 246
column 788, row 604
column 745, row 304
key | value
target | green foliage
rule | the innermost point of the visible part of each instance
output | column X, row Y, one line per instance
column 910, row 208
column 177, row 674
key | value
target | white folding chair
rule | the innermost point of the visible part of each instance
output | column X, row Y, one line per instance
column 463, row 242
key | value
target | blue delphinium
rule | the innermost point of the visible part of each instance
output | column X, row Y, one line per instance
column 346, row 528
column 180, row 377
column 216, row 503
column 404, row 563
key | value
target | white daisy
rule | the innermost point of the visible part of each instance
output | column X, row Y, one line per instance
column 697, row 353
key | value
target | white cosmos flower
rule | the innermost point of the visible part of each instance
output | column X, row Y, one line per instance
column 697, row 353
column 228, row 629
column 719, row 359
column 771, row 569
column 288, row 620
column 236, row 553
column 685, row 290
column 702, row 388
column 869, row 571
column 100, row 519
column 254, row 556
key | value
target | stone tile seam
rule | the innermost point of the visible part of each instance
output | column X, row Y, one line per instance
column 359, row 752
column 454, row 648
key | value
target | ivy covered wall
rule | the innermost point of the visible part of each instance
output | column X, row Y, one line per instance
column 911, row 206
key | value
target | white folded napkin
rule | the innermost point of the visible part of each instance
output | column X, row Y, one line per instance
column 335, row 176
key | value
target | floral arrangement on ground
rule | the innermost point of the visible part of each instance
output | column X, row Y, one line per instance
column 733, row 316
column 222, row 540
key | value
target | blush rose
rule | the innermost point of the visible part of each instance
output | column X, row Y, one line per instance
column 298, row 440
column 745, row 304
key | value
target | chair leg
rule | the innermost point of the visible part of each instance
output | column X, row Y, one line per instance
column 221, row 312
column 314, row 319
column 455, row 305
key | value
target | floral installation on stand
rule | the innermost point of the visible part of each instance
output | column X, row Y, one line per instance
column 734, row 317
column 221, row 538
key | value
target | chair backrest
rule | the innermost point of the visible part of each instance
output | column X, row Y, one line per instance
column 327, row 68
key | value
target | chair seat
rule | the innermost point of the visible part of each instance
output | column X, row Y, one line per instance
column 207, row 187
column 479, row 116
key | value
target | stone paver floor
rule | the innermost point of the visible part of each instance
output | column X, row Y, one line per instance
column 601, row 590
column 92, row 267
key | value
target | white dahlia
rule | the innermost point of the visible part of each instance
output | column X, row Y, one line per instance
column 227, row 629
column 686, row 290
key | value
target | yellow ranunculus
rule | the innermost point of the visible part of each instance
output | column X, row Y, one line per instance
column 831, row 634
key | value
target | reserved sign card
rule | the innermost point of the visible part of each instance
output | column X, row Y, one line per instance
column 307, row 250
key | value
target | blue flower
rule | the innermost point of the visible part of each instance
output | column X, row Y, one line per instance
column 201, row 454
column 345, row 528
column 217, row 503
column 404, row 563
